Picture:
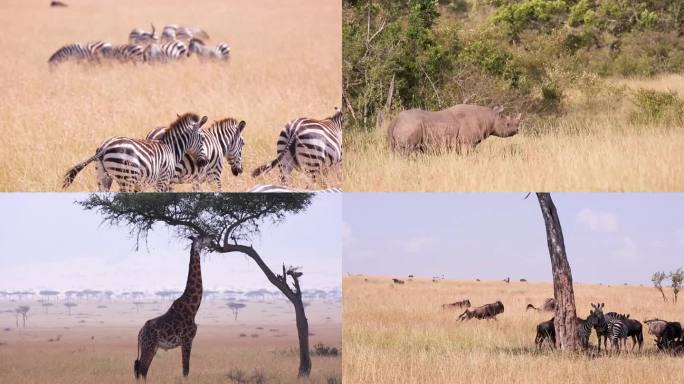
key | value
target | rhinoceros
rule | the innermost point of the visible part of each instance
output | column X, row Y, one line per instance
column 462, row 126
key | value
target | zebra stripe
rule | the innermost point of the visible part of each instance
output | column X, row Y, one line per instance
column 584, row 327
column 220, row 52
column 80, row 51
column 222, row 140
column 127, row 52
column 136, row 164
column 173, row 50
column 617, row 329
column 270, row 188
column 310, row 145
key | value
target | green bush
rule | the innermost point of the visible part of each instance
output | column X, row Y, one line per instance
column 658, row 107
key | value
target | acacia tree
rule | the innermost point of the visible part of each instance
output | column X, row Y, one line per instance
column 676, row 277
column 230, row 220
column 565, row 323
column 657, row 279
column 235, row 308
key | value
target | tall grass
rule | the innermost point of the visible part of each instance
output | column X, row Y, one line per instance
column 400, row 334
column 603, row 142
column 285, row 64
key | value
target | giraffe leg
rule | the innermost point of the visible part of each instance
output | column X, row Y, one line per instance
column 147, row 352
column 185, row 349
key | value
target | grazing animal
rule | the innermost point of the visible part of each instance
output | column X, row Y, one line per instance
column 397, row 281
column 458, row 304
column 546, row 331
column 270, row 188
column 223, row 139
column 461, row 126
column 126, row 52
column 139, row 36
column 197, row 46
column 136, row 164
column 91, row 51
column 549, row 305
column 635, row 331
column 311, row 145
column 584, row 327
column 165, row 52
column 601, row 325
column 177, row 326
column 617, row 330
column 658, row 327
column 672, row 333
column 487, row 311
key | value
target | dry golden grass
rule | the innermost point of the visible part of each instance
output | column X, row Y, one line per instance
column 285, row 64
column 594, row 147
column 102, row 348
column 400, row 334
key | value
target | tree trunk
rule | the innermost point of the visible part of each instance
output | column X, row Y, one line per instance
column 303, row 333
column 663, row 293
column 567, row 332
column 295, row 297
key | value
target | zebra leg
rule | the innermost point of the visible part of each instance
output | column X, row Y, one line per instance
column 104, row 181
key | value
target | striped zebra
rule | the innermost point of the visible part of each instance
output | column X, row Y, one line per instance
column 90, row 51
column 584, row 328
column 618, row 329
column 220, row 52
column 136, row 164
column 126, row 52
column 169, row 33
column 139, row 36
column 601, row 325
column 310, row 145
column 271, row 188
column 223, row 139
column 173, row 50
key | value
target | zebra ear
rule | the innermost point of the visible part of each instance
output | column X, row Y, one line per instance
column 204, row 120
column 241, row 126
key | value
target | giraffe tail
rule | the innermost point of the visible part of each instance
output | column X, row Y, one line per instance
column 136, row 364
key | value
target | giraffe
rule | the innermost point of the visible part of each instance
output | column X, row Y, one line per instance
column 177, row 326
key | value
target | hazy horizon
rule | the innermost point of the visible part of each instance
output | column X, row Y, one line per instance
column 48, row 242
column 610, row 238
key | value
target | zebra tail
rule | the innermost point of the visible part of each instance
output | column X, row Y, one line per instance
column 71, row 173
column 266, row 167
column 136, row 363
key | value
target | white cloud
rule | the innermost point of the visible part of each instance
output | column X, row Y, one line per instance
column 597, row 221
column 415, row 244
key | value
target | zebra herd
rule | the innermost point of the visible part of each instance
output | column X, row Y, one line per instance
column 175, row 43
column 187, row 153
column 617, row 328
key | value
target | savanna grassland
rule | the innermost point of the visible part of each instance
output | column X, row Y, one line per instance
column 400, row 334
column 98, row 343
column 285, row 63
column 600, row 86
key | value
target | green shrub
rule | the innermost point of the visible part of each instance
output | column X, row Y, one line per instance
column 658, row 107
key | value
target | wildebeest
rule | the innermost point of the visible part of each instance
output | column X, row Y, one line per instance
column 461, row 126
column 487, row 311
column 546, row 331
column 397, row 281
column 549, row 305
column 458, row 304
column 671, row 336
column 658, row 327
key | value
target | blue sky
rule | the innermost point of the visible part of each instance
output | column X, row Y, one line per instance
column 610, row 238
column 46, row 241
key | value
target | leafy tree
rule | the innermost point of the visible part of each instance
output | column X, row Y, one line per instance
column 657, row 279
column 235, row 308
column 69, row 305
column 676, row 277
column 229, row 220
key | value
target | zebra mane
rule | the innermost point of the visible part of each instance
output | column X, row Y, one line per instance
column 179, row 121
column 228, row 120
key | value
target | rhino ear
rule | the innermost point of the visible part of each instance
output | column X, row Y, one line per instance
column 498, row 109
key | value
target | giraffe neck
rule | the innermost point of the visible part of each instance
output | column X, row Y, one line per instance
column 192, row 296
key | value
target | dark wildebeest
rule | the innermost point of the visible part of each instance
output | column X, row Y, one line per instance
column 671, row 336
column 397, row 281
column 460, row 126
column 656, row 327
column 458, row 304
column 549, row 305
column 546, row 331
column 487, row 311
